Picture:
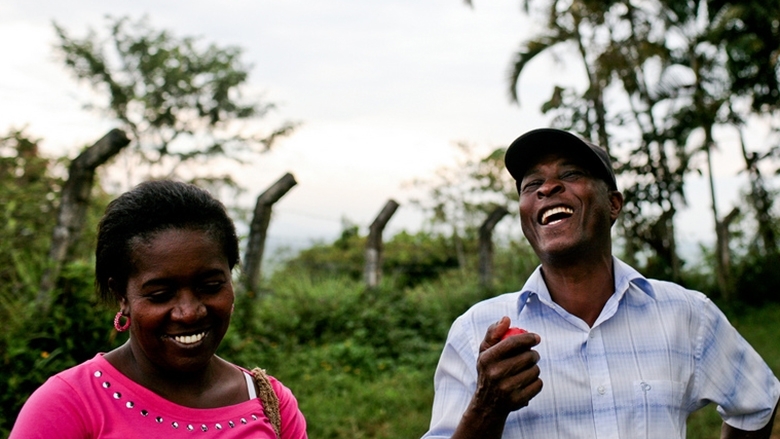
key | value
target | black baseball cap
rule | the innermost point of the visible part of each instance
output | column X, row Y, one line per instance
column 526, row 149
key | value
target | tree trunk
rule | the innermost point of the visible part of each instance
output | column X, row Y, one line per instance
column 760, row 200
column 486, row 245
column 255, row 247
column 722, row 254
column 73, row 206
column 373, row 267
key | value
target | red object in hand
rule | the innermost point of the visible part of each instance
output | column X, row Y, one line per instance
column 513, row 331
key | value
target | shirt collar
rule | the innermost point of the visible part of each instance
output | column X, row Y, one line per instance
column 625, row 275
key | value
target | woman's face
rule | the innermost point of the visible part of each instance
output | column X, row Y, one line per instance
column 179, row 297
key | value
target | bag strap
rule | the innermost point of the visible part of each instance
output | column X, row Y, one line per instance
column 269, row 399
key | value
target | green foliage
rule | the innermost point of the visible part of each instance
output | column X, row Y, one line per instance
column 757, row 279
column 750, row 36
column 35, row 347
column 28, row 194
column 407, row 258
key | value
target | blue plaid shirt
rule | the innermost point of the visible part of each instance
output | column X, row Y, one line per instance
column 657, row 353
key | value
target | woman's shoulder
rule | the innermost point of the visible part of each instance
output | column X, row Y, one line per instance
column 60, row 404
column 76, row 375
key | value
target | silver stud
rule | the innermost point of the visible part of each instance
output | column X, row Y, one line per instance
column 106, row 384
column 130, row 404
column 231, row 424
column 117, row 395
column 243, row 421
column 144, row 413
column 175, row 424
column 204, row 428
column 159, row 419
column 190, row 427
column 98, row 374
column 218, row 426
column 254, row 417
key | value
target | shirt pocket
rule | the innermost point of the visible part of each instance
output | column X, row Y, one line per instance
column 658, row 409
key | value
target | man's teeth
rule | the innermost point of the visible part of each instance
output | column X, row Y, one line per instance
column 554, row 211
column 189, row 339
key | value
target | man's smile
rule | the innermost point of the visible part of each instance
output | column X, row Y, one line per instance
column 554, row 215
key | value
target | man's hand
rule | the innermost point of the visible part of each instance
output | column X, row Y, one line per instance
column 507, row 374
column 507, row 379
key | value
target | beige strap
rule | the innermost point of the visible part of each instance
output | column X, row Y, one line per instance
column 270, row 401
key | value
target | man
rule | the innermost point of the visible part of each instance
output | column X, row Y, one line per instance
column 608, row 353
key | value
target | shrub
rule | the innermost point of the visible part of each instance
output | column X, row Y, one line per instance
column 36, row 347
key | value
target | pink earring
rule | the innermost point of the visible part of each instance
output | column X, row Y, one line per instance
column 117, row 326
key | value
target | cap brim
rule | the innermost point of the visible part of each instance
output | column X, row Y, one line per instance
column 528, row 148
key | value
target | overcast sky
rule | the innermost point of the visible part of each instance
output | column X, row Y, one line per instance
column 383, row 90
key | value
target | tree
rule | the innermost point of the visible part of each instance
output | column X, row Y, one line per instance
column 659, row 75
column 616, row 43
column 750, row 39
column 179, row 100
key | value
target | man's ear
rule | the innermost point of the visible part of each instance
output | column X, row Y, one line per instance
column 616, row 204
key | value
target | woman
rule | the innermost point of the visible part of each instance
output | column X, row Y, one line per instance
column 165, row 253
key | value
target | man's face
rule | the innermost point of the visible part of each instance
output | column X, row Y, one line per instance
column 565, row 211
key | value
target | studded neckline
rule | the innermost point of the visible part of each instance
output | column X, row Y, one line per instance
column 133, row 400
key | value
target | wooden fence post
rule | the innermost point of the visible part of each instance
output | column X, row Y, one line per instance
column 373, row 267
column 255, row 247
column 486, row 245
column 74, row 201
column 723, row 255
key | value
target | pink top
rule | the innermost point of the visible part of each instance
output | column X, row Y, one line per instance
column 94, row 400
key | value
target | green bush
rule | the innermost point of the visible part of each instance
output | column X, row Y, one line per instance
column 408, row 259
column 35, row 347
column 758, row 278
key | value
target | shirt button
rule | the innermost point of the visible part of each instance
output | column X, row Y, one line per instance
column 602, row 390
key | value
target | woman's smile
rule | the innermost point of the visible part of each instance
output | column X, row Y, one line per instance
column 188, row 340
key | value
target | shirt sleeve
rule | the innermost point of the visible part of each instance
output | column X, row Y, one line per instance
column 454, row 382
column 293, row 422
column 730, row 373
column 52, row 411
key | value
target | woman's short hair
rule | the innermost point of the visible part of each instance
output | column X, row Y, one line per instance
column 152, row 207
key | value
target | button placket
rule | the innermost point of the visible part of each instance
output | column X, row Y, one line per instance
column 601, row 385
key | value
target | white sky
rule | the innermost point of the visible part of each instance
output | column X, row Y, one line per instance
column 383, row 90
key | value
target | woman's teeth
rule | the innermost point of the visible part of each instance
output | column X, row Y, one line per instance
column 189, row 339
